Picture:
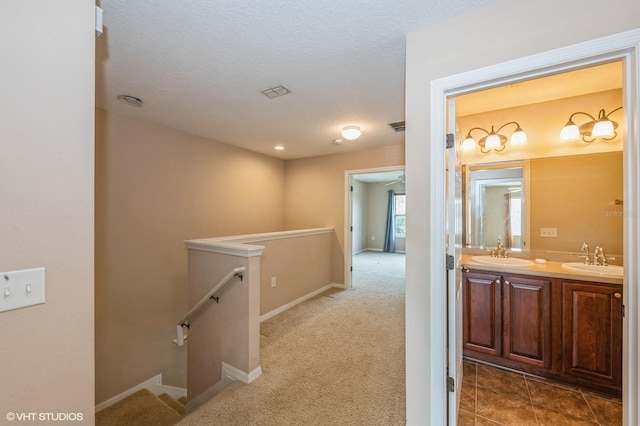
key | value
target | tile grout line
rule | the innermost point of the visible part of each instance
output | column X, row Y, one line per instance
column 535, row 415
column 589, row 405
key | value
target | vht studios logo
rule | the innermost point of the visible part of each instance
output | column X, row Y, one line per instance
column 44, row 417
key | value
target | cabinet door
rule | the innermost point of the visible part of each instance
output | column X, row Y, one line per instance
column 482, row 313
column 592, row 332
column 526, row 320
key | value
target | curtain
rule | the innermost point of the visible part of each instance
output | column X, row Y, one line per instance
column 507, row 230
column 389, row 234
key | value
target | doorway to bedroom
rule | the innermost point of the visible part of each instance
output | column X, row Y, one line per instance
column 375, row 240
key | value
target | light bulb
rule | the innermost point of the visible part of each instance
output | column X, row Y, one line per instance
column 493, row 141
column 603, row 129
column 519, row 137
column 570, row 132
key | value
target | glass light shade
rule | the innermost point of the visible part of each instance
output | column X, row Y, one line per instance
column 493, row 141
column 603, row 129
column 519, row 137
column 351, row 132
column 468, row 144
column 570, row 132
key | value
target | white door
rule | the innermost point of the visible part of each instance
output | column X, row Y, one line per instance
column 454, row 271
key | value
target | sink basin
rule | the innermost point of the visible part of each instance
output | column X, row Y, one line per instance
column 512, row 262
column 611, row 270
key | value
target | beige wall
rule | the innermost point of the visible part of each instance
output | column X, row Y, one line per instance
column 155, row 188
column 301, row 265
column 576, row 195
column 450, row 48
column 46, row 199
column 314, row 192
column 228, row 331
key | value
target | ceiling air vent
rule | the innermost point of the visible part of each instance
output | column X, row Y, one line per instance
column 398, row 126
column 274, row 92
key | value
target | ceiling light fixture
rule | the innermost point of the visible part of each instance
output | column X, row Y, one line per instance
column 351, row 132
column 495, row 140
column 601, row 127
column 130, row 100
column 279, row 148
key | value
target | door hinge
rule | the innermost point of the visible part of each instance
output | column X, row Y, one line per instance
column 623, row 312
column 351, row 228
column 350, row 268
column 351, row 188
column 451, row 262
column 450, row 140
column 451, row 384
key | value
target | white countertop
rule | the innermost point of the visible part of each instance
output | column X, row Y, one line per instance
column 549, row 269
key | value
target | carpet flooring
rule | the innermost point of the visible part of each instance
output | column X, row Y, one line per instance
column 337, row 359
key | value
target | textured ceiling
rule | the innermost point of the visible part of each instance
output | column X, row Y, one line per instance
column 199, row 67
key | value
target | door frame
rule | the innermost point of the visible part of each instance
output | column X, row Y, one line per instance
column 624, row 46
column 348, row 214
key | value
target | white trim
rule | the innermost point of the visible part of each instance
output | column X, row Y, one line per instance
column 153, row 384
column 625, row 46
column 298, row 301
column 236, row 245
column 233, row 373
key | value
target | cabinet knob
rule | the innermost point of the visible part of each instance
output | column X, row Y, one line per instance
column 506, row 282
column 617, row 295
column 498, row 281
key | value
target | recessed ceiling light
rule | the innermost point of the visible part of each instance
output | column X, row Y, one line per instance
column 130, row 100
column 338, row 141
column 351, row 132
column 279, row 148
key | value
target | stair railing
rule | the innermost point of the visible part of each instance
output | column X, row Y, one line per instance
column 184, row 322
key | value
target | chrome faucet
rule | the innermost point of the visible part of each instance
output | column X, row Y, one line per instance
column 500, row 251
column 585, row 253
column 599, row 258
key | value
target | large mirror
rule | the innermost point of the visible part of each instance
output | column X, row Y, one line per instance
column 495, row 206
column 548, row 194
column 546, row 204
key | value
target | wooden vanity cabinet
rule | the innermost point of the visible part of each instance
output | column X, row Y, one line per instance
column 592, row 332
column 561, row 329
column 508, row 317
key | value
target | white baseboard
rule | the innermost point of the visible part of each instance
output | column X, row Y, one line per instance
column 236, row 374
column 154, row 384
column 298, row 301
column 229, row 375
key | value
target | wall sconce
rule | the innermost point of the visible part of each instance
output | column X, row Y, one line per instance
column 601, row 127
column 494, row 140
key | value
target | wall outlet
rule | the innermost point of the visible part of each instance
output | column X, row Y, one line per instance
column 549, row 232
column 273, row 282
column 373, row 238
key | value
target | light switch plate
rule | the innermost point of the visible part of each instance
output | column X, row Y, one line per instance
column 549, row 232
column 21, row 288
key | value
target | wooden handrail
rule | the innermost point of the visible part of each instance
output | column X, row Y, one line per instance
column 235, row 272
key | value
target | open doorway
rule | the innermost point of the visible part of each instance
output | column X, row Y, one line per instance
column 595, row 53
column 375, row 221
column 561, row 216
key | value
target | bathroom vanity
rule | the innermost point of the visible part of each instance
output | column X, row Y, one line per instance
column 545, row 320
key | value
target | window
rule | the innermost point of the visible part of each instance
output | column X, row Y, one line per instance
column 400, row 219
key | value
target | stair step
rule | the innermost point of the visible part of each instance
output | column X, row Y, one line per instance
column 171, row 402
column 183, row 400
column 141, row 408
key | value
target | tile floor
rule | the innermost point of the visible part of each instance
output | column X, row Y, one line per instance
column 491, row 396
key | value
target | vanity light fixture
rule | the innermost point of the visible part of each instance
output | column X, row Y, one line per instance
column 601, row 127
column 351, row 132
column 495, row 140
